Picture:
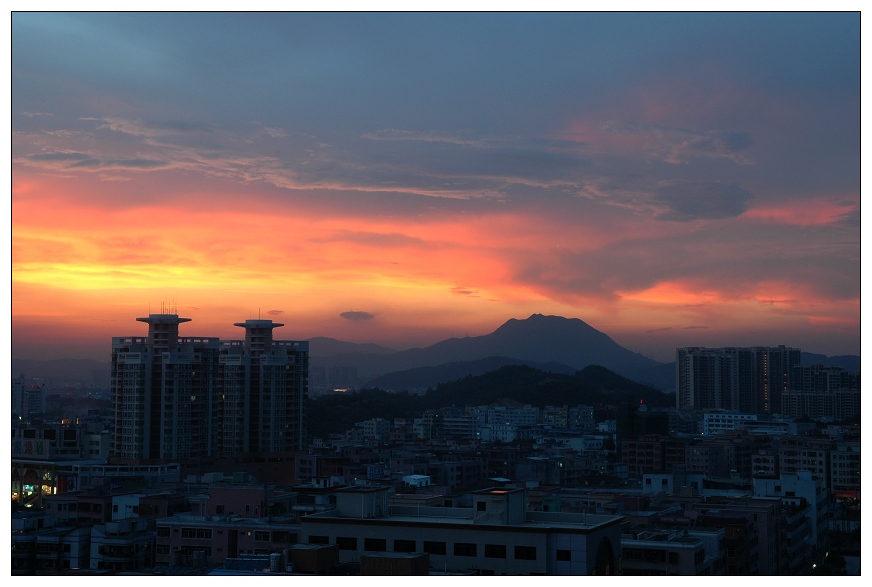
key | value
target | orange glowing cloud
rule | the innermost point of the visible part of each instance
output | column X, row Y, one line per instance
column 673, row 293
column 114, row 262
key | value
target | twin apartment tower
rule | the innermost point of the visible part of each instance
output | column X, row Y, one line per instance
column 182, row 398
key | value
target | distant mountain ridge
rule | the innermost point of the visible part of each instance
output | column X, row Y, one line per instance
column 539, row 338
column 849, row 363
column 548, row 343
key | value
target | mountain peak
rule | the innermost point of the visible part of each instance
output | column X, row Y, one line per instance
column 542, row 324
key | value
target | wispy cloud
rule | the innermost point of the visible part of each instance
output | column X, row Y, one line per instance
column 73, row 161
column 426, row 137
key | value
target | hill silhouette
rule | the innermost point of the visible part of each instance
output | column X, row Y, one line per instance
column 539, row 338
column 423, row 378
column 594, row 385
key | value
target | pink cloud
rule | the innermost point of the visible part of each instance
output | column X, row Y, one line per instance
column 814, row 212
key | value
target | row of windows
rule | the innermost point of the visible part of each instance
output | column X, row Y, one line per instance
column 434, row 547
column 200, row 533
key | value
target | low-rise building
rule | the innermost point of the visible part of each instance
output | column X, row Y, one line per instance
column 42, row 547
column 124, row 545
column 497, row 535
column 665, row 552
column 803, row 496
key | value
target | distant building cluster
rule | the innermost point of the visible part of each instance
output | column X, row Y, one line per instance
column 497, row 423
column 27, row 399
column 822, row 392
column 763, row 380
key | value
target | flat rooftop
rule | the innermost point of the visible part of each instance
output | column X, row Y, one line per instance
column 409, row 514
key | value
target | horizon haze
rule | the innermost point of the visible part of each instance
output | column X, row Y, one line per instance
column 671, row 179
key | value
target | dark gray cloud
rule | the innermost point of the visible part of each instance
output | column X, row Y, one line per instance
column 136, row 163
column 730, row 256
column 275, row 312
column 711, row 145
column 72, row 160
column 685, row 201
column 92, row 163
column 357, row 315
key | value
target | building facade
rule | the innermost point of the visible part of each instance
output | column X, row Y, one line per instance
column 163, row 393
column 262, row 384
column 496, row 536
column 749, row 380
column 819, row 391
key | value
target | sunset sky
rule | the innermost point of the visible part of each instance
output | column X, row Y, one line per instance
column 670, row 179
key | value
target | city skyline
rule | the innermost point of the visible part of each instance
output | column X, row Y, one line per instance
column 672, row 179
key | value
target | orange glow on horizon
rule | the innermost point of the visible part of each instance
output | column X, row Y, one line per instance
column 81, row 268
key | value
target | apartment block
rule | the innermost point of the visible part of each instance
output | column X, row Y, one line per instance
column 845, row 467
column 802, row 496
column 820, row 391
column 749, row 380
column 262, row 384
column 163, row 392
column 796, row 453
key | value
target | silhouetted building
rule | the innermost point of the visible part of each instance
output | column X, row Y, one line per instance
column 42, row 547
column 187, row 398
column 27, row 399
column 820, row 391
column 749, row 380
column 263, row 383
column 163, row 391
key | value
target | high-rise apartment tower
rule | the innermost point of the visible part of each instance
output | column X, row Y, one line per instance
column 750, row 380
column 263, row 383
column 163, row 392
